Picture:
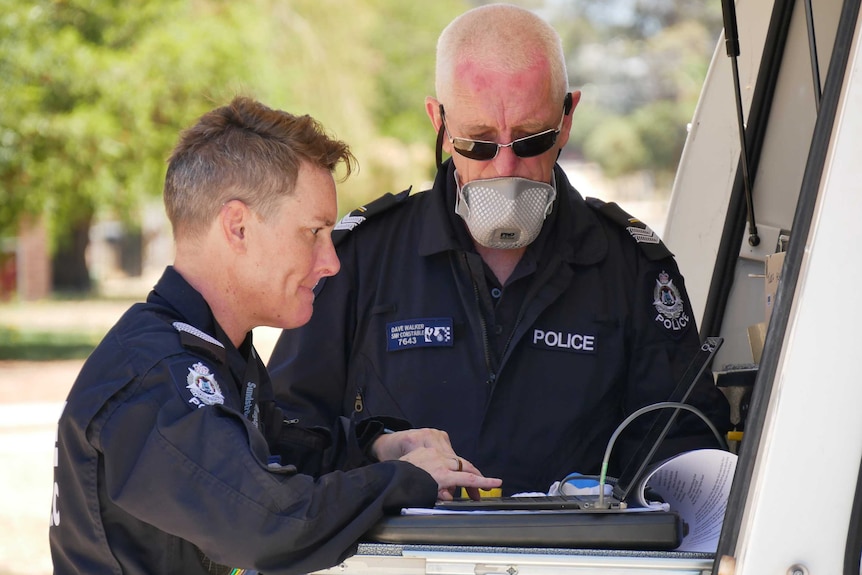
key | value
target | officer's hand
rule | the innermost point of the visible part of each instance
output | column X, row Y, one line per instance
column 450, row 472
column 398, row 444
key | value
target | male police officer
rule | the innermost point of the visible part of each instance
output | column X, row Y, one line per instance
column 500, row 305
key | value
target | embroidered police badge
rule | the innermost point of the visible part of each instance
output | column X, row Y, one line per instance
column 203, row 386
column 669, row 305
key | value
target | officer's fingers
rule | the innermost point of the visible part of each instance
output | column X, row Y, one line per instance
column 432, row 461
column 474, row 482
column 464, row 465
column 473, row 493
column 445, row 494
column 442, row 467
column 448, row 471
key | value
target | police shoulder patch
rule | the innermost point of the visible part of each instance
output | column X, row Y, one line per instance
column 358, row 216
column 197, row 383
column 672, row 313
column 646, row 238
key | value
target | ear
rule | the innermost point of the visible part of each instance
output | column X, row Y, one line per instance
column 570, row 103
column 234, row 217
column 432, row 108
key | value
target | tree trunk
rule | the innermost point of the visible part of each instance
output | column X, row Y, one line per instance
column 70, row 263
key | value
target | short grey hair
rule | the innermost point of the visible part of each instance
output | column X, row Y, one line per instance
column 503, row 37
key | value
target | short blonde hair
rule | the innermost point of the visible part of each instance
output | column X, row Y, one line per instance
column 244, row 151
column 502, row 37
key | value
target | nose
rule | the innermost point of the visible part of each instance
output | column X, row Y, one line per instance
column 506, row 162
column 327, row 260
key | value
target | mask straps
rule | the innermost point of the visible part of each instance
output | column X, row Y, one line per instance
column 567, row 109
column 439, row 149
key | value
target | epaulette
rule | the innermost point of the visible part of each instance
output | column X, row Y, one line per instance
column 647, row 239
column 362, row 213
column 194, row 339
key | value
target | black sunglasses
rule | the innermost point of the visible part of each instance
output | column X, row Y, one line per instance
column 525, row 147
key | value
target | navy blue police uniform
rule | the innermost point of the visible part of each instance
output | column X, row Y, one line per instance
column 529, row 378
column 172, row 458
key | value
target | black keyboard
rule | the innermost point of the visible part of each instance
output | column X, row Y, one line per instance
column 527, row 503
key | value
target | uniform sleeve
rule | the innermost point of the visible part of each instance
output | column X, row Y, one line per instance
column 201, row 474
column 308, row 365
column 665, row 341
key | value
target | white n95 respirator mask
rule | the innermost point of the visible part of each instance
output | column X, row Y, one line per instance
column 504, row 213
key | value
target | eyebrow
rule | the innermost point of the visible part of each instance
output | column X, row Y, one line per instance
column 532, row 128
column 323, row 221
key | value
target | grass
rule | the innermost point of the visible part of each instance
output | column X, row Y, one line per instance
column 62, row 327
column 27, row 345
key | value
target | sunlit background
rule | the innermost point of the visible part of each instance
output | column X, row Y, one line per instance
column 94, row 92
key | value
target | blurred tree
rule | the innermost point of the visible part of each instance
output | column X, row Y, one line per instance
column 404, row 40
column 640, row 65
column 95, row 92
column 363, row 68
column 618, row 147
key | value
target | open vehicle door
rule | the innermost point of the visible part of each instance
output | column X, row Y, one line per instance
column 795, row 503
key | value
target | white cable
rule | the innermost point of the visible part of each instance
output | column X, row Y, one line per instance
column 646, row 409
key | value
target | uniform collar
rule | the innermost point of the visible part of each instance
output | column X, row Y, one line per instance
column 173, row 291
column 577, row 233
column 440, row 230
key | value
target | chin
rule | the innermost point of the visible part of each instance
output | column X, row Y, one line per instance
column 298, row 319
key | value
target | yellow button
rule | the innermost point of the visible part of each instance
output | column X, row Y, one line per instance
column 495, row 492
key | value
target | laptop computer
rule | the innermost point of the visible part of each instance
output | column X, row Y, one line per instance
column 560, row 521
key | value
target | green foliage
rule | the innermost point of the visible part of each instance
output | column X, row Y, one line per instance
column 589, row 117
column 403, row 38
column 616, row 147
column 397, row 111
column 641, row 70
column 96, row 91
column 660, row 126
column 93, row 93
column 651, row 138
column 45, row 345
column 74, row 144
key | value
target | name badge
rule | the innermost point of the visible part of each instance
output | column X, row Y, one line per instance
column 424, row 332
